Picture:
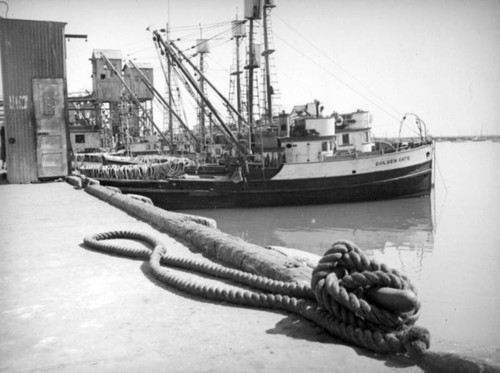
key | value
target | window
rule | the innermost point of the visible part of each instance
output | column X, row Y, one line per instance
column 345, row 139
column 324, row 146
column 80, row 139
column 48, row 103
column 367, row 138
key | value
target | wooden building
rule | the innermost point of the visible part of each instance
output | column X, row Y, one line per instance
column 85, row 139
column 107, row 86
column 35, row 93
column 133, row 79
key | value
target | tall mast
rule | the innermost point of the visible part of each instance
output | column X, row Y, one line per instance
column 253, row 10
column 268, row 5
column 168, row 48
column 250, row 77
column 221, row 96
column 169, row 78
column 202, row 49
column 170, row 117
column 238, row 34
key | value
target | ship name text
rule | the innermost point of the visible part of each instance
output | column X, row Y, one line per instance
column 392, row 160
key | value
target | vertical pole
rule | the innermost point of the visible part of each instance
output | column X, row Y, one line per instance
column 170, row 98
column 238, row 81
column 169, row 78
column 268, row 79
column 169, row 50
column 202, row 105
column 127, row 131
column 250, row 85
column 211, row 133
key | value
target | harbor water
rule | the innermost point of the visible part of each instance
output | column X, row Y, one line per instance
column 448, row 243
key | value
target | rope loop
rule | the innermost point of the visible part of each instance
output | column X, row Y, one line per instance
column 360, row 291
column 341, row 284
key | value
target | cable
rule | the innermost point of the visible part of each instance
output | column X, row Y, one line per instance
column 343, row 69
column 338, row 78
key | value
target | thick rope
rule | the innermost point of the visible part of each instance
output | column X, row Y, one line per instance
column 343, row 270
column 156, row 169
column 209, row 268
column 338, row 284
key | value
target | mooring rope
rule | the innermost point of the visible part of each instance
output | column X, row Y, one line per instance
column 345, row 298
column 337, row 287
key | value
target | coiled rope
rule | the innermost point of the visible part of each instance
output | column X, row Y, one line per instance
column 175, row 167
column 336, row 299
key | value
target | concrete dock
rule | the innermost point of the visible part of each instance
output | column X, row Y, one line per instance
column 65, row 308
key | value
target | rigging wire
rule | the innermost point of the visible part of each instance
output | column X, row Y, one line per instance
column 164, row 70
column 186, row 92
column 344, row 70
column 336, row 77
column 217, row 63
column 197, row 26
column 215, row 37
column 220, row 40
column 375, row 95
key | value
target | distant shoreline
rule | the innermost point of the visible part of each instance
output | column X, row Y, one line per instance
column 495, row 138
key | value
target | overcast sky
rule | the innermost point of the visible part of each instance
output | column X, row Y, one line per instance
column 437, row 58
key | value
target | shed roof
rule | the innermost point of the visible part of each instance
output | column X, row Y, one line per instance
column 112, row 54
column 140, row 65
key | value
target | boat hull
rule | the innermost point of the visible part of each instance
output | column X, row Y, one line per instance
column 176, row 194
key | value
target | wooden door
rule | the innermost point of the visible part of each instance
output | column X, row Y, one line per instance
column 51, row 140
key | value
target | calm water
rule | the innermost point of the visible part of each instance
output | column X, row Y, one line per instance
column 448, row 244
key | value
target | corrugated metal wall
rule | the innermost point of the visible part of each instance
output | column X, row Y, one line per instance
column 29, row 49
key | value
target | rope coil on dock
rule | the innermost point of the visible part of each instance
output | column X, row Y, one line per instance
column 348, row 284
column 345, row 268
column 339, row 307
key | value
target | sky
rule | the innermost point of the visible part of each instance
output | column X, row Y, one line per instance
column 436, row 58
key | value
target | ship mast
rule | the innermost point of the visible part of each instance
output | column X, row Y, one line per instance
column 169, row 82
column 253, row 10
column 238, row 34
column 202, row 49
column 207, row 81
column 169, row 49
column 268, row 5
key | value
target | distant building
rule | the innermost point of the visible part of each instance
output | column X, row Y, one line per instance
column 85, row 139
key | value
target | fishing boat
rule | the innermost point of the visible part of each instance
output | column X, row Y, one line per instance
column 306, row 158
column 320, row 163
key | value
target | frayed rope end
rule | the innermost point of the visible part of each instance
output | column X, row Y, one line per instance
column 417, row 341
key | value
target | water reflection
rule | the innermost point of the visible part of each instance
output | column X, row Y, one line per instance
column 394, row 229
column 453, row 263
